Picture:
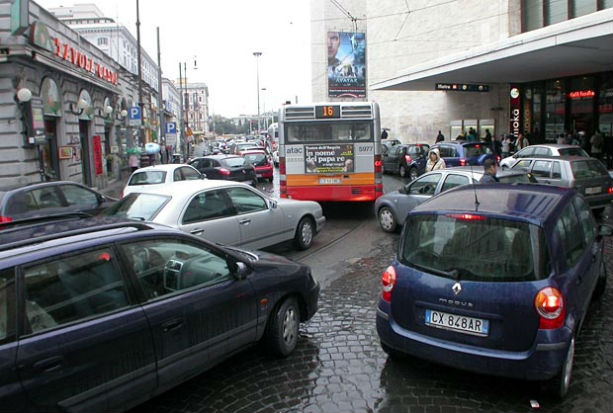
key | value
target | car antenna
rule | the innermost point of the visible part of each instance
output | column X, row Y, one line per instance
column 472, row 175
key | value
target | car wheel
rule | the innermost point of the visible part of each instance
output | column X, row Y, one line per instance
column 413, row 173
column 304, row 233
column 282, row 329
column 601, row 284
column 270, row 179
column 386, row 219
column 559, row 385
column 402, row 171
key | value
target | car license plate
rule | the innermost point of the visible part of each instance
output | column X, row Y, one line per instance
column 593, row 190
column 462, row 324
column 259, row 175
column 329, row 181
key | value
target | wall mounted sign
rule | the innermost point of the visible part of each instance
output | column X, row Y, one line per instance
column 462, row 87
column 65, row 152
column 515, row 107
column 97, row 149
column 580, row 94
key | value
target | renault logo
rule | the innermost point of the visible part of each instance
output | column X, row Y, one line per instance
column 457, row 288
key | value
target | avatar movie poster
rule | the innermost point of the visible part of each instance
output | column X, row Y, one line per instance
column 346, row 65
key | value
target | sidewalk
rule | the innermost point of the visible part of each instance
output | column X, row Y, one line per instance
column 115, row 187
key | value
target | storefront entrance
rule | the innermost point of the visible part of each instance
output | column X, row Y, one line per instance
column 85, row 151
column 50, row 165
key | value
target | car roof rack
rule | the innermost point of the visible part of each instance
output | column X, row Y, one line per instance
column 96, row 228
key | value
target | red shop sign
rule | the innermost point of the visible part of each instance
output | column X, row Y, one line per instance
column 97, row 149
column 578, row 94
column 83, row 61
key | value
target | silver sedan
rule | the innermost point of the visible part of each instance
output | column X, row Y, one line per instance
column 226, row 212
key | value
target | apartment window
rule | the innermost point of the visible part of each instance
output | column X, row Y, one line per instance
column 556, row 11
column 532, row 12
column 541, row 13
column 583, row 7
column 103, row 41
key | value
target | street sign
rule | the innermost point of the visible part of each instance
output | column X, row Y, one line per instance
column 171, row 128
column 134, row 115
column 462, row 87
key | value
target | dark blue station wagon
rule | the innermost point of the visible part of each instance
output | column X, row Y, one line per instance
column 100, row 317
column 494, row 279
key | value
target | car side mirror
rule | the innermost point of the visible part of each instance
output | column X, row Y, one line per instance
column 202, row 175
column 241, row 270
column 403, row 190
column 272, row 204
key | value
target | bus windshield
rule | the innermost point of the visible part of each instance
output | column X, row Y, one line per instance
column 346, row 131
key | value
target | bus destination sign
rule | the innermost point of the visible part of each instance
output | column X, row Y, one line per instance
column 328, row 112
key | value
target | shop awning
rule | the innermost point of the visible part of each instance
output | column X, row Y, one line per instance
column 574, row 47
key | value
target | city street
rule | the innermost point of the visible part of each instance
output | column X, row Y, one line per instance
column 339, row 365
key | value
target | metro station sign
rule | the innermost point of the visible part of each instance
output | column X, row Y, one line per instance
column 462, row 87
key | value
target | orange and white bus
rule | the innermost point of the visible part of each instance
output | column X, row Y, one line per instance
column 330, row 152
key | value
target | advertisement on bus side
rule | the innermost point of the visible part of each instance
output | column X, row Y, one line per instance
column 329, row 158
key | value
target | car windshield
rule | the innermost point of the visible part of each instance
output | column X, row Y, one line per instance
column 474, row 247
column 147, row 178
column 589, row 168
column 234, row 162
column 573, row 152
column 257, row 159
column 476, row 150
column 138, row 206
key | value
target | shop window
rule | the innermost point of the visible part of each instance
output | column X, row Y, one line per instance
column 605, row 105
column 556, row 11
column 581, row 95
column 554, row 110
column 582, row 7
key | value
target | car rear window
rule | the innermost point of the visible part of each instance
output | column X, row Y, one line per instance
column 257, row 159
column 148, row 178
column 233, row 162
column 138, row 206
column 476, row 150
column 589, row 168
column 573, row 152
column 474, row 247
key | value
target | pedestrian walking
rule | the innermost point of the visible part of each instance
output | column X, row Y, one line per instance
column 522, row 142
column 133, row 162
column 597, row 144
column 490, row 169
column 384, row 134
column 506, row 146
column 440, row 137
column 435, row 161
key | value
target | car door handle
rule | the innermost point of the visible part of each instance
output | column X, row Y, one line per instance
column 172, row 325
column 196, row 231
column 50, row 364
column 244, row 221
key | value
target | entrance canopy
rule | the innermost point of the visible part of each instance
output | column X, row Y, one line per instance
column 574, row 47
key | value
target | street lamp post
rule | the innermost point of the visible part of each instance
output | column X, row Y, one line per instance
column 257, row 64
column 264, row 108
column 140, row 78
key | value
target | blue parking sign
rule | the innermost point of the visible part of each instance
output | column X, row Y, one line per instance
column 134, row 113
column 171, row 128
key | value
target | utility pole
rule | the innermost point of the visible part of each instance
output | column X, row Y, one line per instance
column 183, row 128
column 140, row 78
column 162, row 139
column 257, row 62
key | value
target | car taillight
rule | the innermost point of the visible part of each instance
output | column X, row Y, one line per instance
column 378, row 164
column 408, row 159
column 5, row 219
column 462, row 162
column 388, row 280
column 549, row 305
column 223, row 171
column 282, row 165
column 610, row 190
column 498, row 158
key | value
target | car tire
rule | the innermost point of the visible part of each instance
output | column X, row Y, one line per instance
column 413, row 173
column 558, row 386
column 601, row 284
column 281, row 334
column 305, row 231
column 386, row 219
column 393, row 353
column 402, row 171
column 254, row 183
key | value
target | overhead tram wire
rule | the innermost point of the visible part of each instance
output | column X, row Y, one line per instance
column 380, row 16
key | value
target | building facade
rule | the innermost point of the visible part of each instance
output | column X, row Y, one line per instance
column 538, row 67
column 197, row 108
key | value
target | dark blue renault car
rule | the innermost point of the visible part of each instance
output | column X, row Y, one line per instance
column 495, row 279
column 100, row 316
column 463, row 153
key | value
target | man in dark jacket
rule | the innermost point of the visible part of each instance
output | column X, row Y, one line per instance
column 489, row 177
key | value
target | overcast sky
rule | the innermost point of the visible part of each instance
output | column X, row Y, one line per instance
column 222, row 35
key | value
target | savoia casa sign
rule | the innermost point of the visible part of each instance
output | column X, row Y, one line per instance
column 40, row 37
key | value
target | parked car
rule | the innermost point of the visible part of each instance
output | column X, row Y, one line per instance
column 48, row 198
column 538, row 151
column 261, row 162
column 407, row 160
column 226, row 212
column 110, row 314
column 462, row 153
column 496, row 279
column 227, row 167
column 587, row 175
column 392, row 208
column 243, row 146
column 160, row 175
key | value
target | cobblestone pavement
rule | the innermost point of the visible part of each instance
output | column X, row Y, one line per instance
column 339, row 366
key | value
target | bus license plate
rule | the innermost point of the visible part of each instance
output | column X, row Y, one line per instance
column 329, row 181
column 462, row 324
column 593, row 190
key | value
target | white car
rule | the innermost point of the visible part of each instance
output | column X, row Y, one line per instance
column 159, row 175
column 226, row 212
column 534, row 151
